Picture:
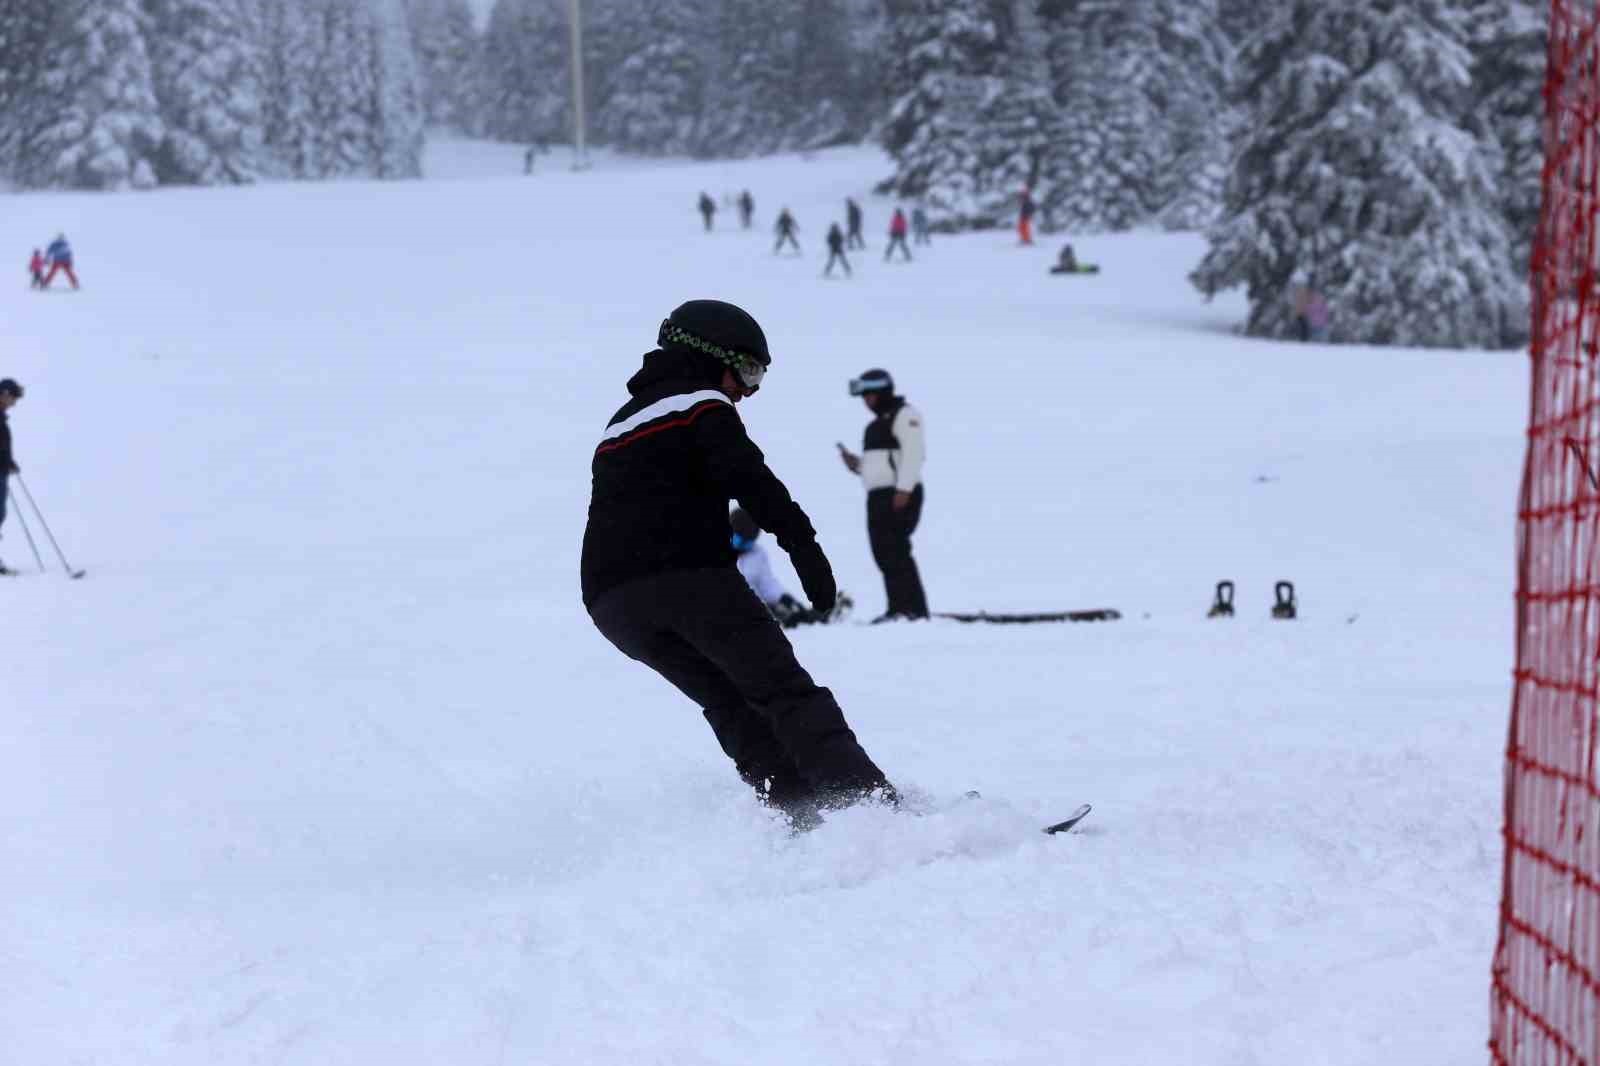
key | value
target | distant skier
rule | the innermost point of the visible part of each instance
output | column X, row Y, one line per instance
column 1025, row 217
column 919, row 226
column 852, row 217
column 527, row 159
column 10, row 393
column 756, row 568
column 36, row 269
column 890, row 466
column 747, row 209
column 708, row 209
column 658, row 572
column 836, row 252
column 60, row 256
column 786, row 227
column 897, row 236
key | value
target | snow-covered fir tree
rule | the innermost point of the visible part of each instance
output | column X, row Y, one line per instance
column 526, row 72
column 1509, row 38
column 28, row 30
column 96, row 123
column 449, row 59
column 287, row 50
column 1188, row 89
column 207, row 84
column 393, row 109
column 946, row 62
column 1357, row 173
column 656, row 88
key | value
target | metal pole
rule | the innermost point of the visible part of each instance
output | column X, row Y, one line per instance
column 580, row 156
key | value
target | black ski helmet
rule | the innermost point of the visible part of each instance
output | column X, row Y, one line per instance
column 874, row 380
column 9, row 387
column 724, row 332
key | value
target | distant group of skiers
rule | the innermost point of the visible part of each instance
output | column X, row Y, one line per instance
column 57, row 258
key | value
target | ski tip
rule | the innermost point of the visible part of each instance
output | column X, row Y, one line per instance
column 78, row 575
column 1067, row 824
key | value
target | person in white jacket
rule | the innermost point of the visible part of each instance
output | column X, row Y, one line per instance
column 890, row 467
column 756, row 568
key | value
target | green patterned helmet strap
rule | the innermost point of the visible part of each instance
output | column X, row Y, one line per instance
column 747, row 366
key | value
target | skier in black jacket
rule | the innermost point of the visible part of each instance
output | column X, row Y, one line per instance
column 659, row 574
column 10, row 393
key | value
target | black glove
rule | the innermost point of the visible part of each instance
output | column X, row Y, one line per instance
column 816, row 576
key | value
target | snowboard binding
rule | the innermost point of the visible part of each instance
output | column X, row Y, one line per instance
column 1222, row 607
column 1283, row 594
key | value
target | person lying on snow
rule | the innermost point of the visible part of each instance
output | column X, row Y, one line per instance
column 1068, row 263
column 756, row 567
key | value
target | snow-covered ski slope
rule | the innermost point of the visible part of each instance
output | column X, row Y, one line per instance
column 323, row 763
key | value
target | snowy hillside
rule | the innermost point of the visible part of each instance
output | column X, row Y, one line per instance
column 324, row 763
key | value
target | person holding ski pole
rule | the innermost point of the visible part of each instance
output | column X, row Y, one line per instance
column 10, row 393
column 890, row 468
column 658, row 573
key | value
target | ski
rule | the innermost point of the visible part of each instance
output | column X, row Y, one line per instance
column 1102, row 614
column 1066, row 826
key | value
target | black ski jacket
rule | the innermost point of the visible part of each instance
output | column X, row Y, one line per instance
column 666, row 466
column 5, row 446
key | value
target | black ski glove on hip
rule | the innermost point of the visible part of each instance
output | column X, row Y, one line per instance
column 816, row 576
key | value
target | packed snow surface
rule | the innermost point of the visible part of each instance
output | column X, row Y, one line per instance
column 324, row 763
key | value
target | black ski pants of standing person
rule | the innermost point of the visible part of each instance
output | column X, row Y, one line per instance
column 708, row 634
column 834, row 255
column 898, row 240
column 889, row 532
column 785, row 236
column 855, row 240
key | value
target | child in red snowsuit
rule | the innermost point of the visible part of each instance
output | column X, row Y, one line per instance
column 36, row 269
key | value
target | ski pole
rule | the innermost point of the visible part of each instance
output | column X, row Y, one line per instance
column 65, row 566
column 37, row 558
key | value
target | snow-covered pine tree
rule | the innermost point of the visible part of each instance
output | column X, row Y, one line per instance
column 343, row 82
column 526, row 72
column 656, row 87
column 819, row 112
column 28, row 31
column 97, row 125
column 1355, row 169
column 743, row 104
column 393, row 110
column 1104, row 59
column 1509, row 38
column 206, row 78
column 286, row 47
column 1020, row 133
column 449, row 58
column 1188, row 89
column 946, row 58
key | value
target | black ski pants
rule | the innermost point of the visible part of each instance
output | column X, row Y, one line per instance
column 783, row 236
column 897, row 240
column 889, row 531
column 836, row 255
column 708, row 634
column 855, row 240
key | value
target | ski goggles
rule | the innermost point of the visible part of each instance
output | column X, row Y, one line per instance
column 871, row 383
column 749, row 372
column 741, row 544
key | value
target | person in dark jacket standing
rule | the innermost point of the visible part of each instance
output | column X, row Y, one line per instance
column 786, row 228
column 659, row 574
column 747, row 208
column 890, row 466
column 10, row 393
column 708, row 210
column 836, row 251
column 852, row 218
